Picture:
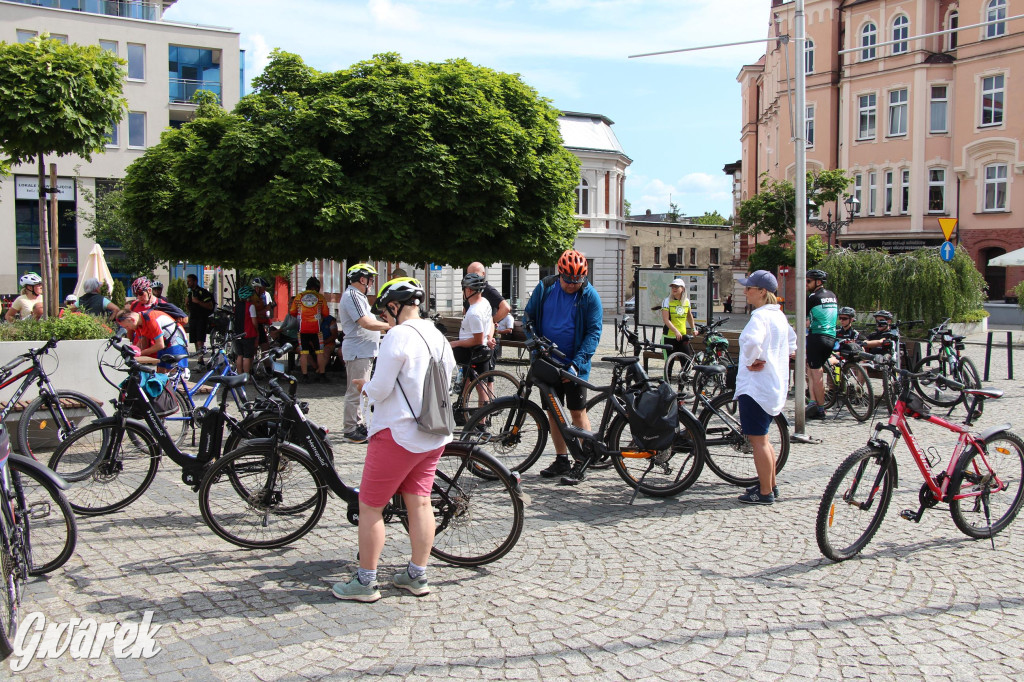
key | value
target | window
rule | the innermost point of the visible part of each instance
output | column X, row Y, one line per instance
column 582, row 198
column 954, row 22
column 888, row 193
column 191, row 69
column 939, row 107
column 112, row 135
column 904, row 191
column 109, row 45
column 900, row 31
column 636, row 255
column 898, row 112
column 59, row 38
column 872, row 193
column 679, row 254
column 868, row 39
column 26, row 36
column 858, row 191
column 936, row 190
column 657, row 255
column 693, row 256
column 866, row 117
column 996, row 11
column 809, row 126
column 714, row 257
column 136, row 62
column 808, row 56
column 995, row 187
column 136, row 129
column 992, row 100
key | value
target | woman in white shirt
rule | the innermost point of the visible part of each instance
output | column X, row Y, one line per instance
column 400, row 457
column 762, row 380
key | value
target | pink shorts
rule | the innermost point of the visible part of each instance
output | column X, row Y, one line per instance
column 391, row 469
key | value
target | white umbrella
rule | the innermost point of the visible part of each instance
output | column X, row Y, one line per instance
column 1009, row 259
column 95, row 266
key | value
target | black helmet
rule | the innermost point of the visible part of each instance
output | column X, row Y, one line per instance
column 817, row 274
column 474, row 281
column 313, row 283
column 882, row 313
column 401, row 290
column 259, row 282
column 847, row 310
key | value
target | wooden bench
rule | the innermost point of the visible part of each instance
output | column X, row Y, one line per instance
column 697, row 344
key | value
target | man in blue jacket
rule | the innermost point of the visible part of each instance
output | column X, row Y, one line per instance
column 566, row 309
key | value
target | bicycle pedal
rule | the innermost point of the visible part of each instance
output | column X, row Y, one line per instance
column 911, row 515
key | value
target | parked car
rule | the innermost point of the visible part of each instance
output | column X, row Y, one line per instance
column 630, row 305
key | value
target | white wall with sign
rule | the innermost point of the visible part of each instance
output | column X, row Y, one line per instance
column 652, row 287
column 27, row 187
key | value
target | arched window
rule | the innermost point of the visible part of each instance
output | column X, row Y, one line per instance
column 808, row 56
column 868, row 40
column 900, row 31
column 582, row 198
column 995, row 11
column 953, row 23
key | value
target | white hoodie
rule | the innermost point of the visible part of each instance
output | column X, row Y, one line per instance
column 767, row 337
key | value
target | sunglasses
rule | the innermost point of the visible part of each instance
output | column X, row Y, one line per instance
column 882, row 323
column 845, row 318
column 573, row 280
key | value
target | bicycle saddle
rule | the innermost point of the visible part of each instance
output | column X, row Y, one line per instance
column 627, row 360
column 985, row 392
column 710, row 369
column 176, row 357
column 235, row 381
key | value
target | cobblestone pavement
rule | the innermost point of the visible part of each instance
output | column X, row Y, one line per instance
column 688, row 587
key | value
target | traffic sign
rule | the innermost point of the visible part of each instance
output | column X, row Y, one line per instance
column 435, row 268
column 784, row 270
column 947, row 249
column 947, row 225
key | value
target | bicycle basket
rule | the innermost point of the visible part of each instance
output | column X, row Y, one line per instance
column 917, row 407
column 545, row 372
column 653, row 416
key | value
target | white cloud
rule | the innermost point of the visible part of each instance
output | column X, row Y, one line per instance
column 388, row 14
column 257, row 54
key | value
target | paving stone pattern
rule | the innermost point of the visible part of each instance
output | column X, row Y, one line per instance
column 697, row 586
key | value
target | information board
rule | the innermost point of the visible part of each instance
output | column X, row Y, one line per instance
column 652, row 288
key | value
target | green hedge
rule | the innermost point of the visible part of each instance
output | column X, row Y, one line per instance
column 72, row 326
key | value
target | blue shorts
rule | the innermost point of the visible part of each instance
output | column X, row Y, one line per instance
column 753, row 419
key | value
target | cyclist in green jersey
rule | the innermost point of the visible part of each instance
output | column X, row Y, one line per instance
column 822, row 313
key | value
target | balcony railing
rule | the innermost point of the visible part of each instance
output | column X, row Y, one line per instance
column 132, row 9
column 181, row 90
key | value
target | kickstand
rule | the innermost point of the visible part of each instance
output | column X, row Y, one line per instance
column 650, row 466
column 988, row 518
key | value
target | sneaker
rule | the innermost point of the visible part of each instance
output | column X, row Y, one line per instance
column 354, row 590
column 322, row 378
column 756, row 497
column 756, row 488
column 560, row 466
column 575, row 476
column 815, row 413
column 417, row 586
column 356, row 435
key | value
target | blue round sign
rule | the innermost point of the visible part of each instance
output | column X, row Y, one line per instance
column 947, row 250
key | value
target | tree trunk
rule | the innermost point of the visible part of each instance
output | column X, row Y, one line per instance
column 44, row 239
column 54, row 300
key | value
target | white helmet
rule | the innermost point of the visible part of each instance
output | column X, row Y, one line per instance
column 30, row 279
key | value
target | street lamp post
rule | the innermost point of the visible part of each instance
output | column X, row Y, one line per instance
column 831, row 227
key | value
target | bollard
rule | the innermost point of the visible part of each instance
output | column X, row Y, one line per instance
column 1009, row 355
column 988, row 354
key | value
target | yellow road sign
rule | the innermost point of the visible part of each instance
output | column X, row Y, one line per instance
column 947, row 225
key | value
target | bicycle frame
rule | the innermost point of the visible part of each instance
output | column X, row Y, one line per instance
column 226, row 370
column 34, row 374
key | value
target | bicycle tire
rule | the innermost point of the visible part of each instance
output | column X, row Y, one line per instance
column 507, row 424
column 677, row 368
column 857, row 392
column 930, row 391
column 687, row 452
column 35, row 439
column 595, row 408
column 49, row 541
column 99, row 472
column 496, row 383
column 969, row 373
column 709, row 385
column 1003, row 458
column 262, row 425
column 729, row 453
column 239, row 519
column 180, row 424
column 831, row 387
column 10, row 591
column 463, row 501
column 833, row 543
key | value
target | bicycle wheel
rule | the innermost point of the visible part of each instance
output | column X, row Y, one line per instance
column 858, row 494
column 50, row 529
column 280, row 483
column 828, row 375
column 181, row 424
column 492, row 385
column 666, row 472
column 932, row 391
column 969, row 373
column 10, row 591
column 677, row 368
column 994, row 479
column 857, row 392
column 42, row 426
column 709, row 385
column 511, row 430
column 729, row 453
column 479, row 518
column 109, row 468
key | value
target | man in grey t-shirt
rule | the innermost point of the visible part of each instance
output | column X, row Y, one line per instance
column 359, row 347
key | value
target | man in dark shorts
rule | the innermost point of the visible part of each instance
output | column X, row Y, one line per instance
column 567, row 309
column 822, row 311
column 310, row 307
column 499, row 306
column 200, row 305
column 265, row 308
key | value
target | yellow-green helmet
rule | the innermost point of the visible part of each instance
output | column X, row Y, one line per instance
column 361, row 270
column 401, row 290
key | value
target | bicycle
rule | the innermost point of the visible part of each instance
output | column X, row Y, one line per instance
column 34, row 538
column 508, row 423
column 899, row 356
column 181, row 424
column 948, row 362
column 985, row 470
column 269, row 493
column 486, row 386
column 847, row 382
column 679, row 366
column 66, row 410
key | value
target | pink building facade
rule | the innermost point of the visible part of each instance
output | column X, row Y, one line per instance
column 928, row 128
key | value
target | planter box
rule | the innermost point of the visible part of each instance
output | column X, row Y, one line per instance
column 968, row 328
column 1004, row 315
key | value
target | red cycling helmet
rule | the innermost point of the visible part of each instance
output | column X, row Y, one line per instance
column 573, row 265
column 140, row 285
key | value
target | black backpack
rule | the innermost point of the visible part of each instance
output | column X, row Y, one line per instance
column 174, row 311
column 653, row 416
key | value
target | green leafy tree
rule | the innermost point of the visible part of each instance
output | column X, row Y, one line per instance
column 119, row 295
column 771, row 211
column 177, row 292
column 58, row 99
column 778, row 251
column 627, row 208
column 108, row 224
column 673, row 214
column 401, row 161
column 713, row 218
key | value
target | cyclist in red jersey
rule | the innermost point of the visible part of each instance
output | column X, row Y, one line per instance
column 310, row 307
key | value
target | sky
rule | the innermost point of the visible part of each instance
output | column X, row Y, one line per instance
column 676, row 116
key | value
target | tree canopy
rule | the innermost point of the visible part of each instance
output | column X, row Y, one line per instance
column 713, row 218
column 772, row 210
column 404, row 161
column 108, row 226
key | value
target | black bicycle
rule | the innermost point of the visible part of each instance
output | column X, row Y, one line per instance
column 269, row 492
column 679, row 366
column 948, row 362
column 52, row 417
